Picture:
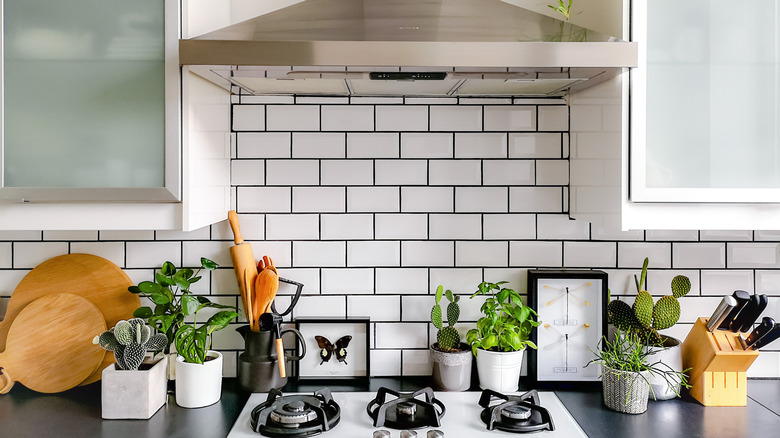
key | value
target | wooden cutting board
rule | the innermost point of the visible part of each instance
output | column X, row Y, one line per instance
column 94, row 278
column 49, row 345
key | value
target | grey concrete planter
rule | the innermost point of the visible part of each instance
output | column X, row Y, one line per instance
column 134, row 394
column 452, row 371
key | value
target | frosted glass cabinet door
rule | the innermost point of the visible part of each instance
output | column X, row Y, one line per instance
column 704, row 101
column 84, row 100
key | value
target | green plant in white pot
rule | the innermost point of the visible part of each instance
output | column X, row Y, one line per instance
column 501, row 336
column 451, row 358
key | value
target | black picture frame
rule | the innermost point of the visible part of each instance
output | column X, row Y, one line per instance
column 358, row 362
column 600, row 293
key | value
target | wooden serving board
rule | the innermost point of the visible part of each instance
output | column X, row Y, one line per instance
column 49, row 346
column 98, row 280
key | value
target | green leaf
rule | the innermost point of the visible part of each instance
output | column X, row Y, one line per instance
column 489, row 342
column 168, row 269
column 503, row 295
column 163, row 280
column 134, row 289
column 160, row 298
column 194, row 279
column 182, row 283
column 208, row 264
column 220, row 320
column 449, row 295
column 531, row 344
column 186, row 273
column 521, row 313
column 149, row 287
column 439, row 292
column 143, row 312
column 189, row 304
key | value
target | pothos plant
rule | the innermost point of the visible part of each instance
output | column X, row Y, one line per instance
column 507, row 323
column 170, row 292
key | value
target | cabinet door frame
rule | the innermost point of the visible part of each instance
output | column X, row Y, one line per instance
column 639, row 192
column 172, row 191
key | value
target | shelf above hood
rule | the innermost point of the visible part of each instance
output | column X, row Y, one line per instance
column 468, row 40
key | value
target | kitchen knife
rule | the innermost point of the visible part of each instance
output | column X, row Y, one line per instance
column 721, row 312
column 767, row 338
column 766, row 325
column 747, row 316
column 742, row 298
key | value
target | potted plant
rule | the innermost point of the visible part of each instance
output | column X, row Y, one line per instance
column 626, row 368
column 646, row 318
column 501, row 336
column 451, row 358
column 134, row 388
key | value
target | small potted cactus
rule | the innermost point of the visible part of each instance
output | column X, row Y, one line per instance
column 136, row 386
column 451, row 357
column 645, row 319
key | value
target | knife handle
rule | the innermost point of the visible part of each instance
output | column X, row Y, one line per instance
column 721, row 312
column 766, row 325
column 742, row 298
column 767, row 338
column 747, row 316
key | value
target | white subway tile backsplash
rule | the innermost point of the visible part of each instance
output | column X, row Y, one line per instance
column 673, row 235
column 596, row 145
column 402, row 118
column 377, row 308
column 536, row 254
column 427, row 253
column 348, row 281
column 373, row 145
column 347, row 226
column 535, row 145
column 416, row 308
column 726, row 235
column 347, row 118
column 481, row 199
column 479, row 254
column 199, row 234
column 318, row 145
column 396, row 335
column 319, row 254
column 373, row 199
column 698, row 255
column 561, row 227
column 292, row 226
column 263, row 145
column 455, row 118
column 247, row 172
column 264, row 199
column 385, row 363
column 111, row 251
column 347, row 172
column 248, row 117
column 552, row 172
column 427, row 199
column 292, row 172
column 589, row 254
column 373, row 253
column 632, row 254
column 9, row 279
column 21, row 235
column 455, row 226
column 293, row 117
column 402, row 281
column 768, row 282
column 317, row 306
column 454, row 172
column 309, row 277
column 508, row 226
column 535, row 199
column 31, row 254
column 6, row 255
column 753, row 255
column 51, row 235
column 553, row 118
column 659, row 281
column 401, row 226
column 586, row 118
column 480, row 145
column 458, row 280
column 318, row 199
column 401, row 172
column 508, row 172
column 146, row 254
column 724, row 282
column 766, row 235
column 416, row 363
column 279, row 251
column 426, row 145
column 510, row 118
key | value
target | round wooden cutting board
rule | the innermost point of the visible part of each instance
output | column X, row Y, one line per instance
column 49, row 345
column 98, row 280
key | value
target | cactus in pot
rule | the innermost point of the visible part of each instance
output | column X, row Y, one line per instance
column 447, row 337
column 129, row 341
column 451, row 358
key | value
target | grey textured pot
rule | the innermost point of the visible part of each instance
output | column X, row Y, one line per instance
column 134, row 394
column 625, row 391
column 451, row 371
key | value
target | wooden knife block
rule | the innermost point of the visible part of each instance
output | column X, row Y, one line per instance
column 718, row 365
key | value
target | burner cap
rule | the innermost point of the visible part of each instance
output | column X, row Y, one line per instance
column 406, row 408
column 293, row 413
column 516, row 412
column 295, row 406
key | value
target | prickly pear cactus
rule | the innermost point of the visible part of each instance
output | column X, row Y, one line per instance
column 130, row 340
column 643, row 308
column 666, row 312
column 447, row 337
column 681, row 285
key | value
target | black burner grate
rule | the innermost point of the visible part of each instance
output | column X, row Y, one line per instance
column 406, row 410
column 295, row 415
column 514, row 413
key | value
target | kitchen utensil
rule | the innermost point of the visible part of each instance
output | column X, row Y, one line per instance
column 747, row 316
column 49, row 345
column 721, row 312
column 98, row 280
column 249, row 301
column 742, row 298
column 257, row 368
column 773, row 334
column 266, row 286
column 243, row 263
column 272, row 322
column 766, row 325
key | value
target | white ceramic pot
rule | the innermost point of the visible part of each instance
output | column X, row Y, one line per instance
column 499, row 371
column 134, row 394
column 199, row 385
column 670, row 356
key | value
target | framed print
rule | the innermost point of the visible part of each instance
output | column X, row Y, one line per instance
column 572, row 309
column 335, row 348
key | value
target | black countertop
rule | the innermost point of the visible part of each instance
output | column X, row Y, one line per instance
column 76, row 413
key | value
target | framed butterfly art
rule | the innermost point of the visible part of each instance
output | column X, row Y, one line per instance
column 335, row 348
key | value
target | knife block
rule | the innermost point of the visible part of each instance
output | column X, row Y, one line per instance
column 718, row 364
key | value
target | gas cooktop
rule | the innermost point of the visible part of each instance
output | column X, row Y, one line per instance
column 461, row 419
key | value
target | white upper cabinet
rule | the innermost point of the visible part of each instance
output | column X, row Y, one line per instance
column 92, row 119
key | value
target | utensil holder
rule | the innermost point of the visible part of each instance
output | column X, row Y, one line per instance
column 718, row 363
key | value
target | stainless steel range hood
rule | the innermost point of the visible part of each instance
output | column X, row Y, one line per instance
column 406, row 48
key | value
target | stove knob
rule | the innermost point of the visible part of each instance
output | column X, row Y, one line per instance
column 435, row 433
column 382, row 433
column 408, row 434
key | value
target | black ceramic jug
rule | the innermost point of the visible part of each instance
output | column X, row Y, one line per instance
column 258, row 367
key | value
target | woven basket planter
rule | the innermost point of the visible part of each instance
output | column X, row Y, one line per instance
column 625, row 391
